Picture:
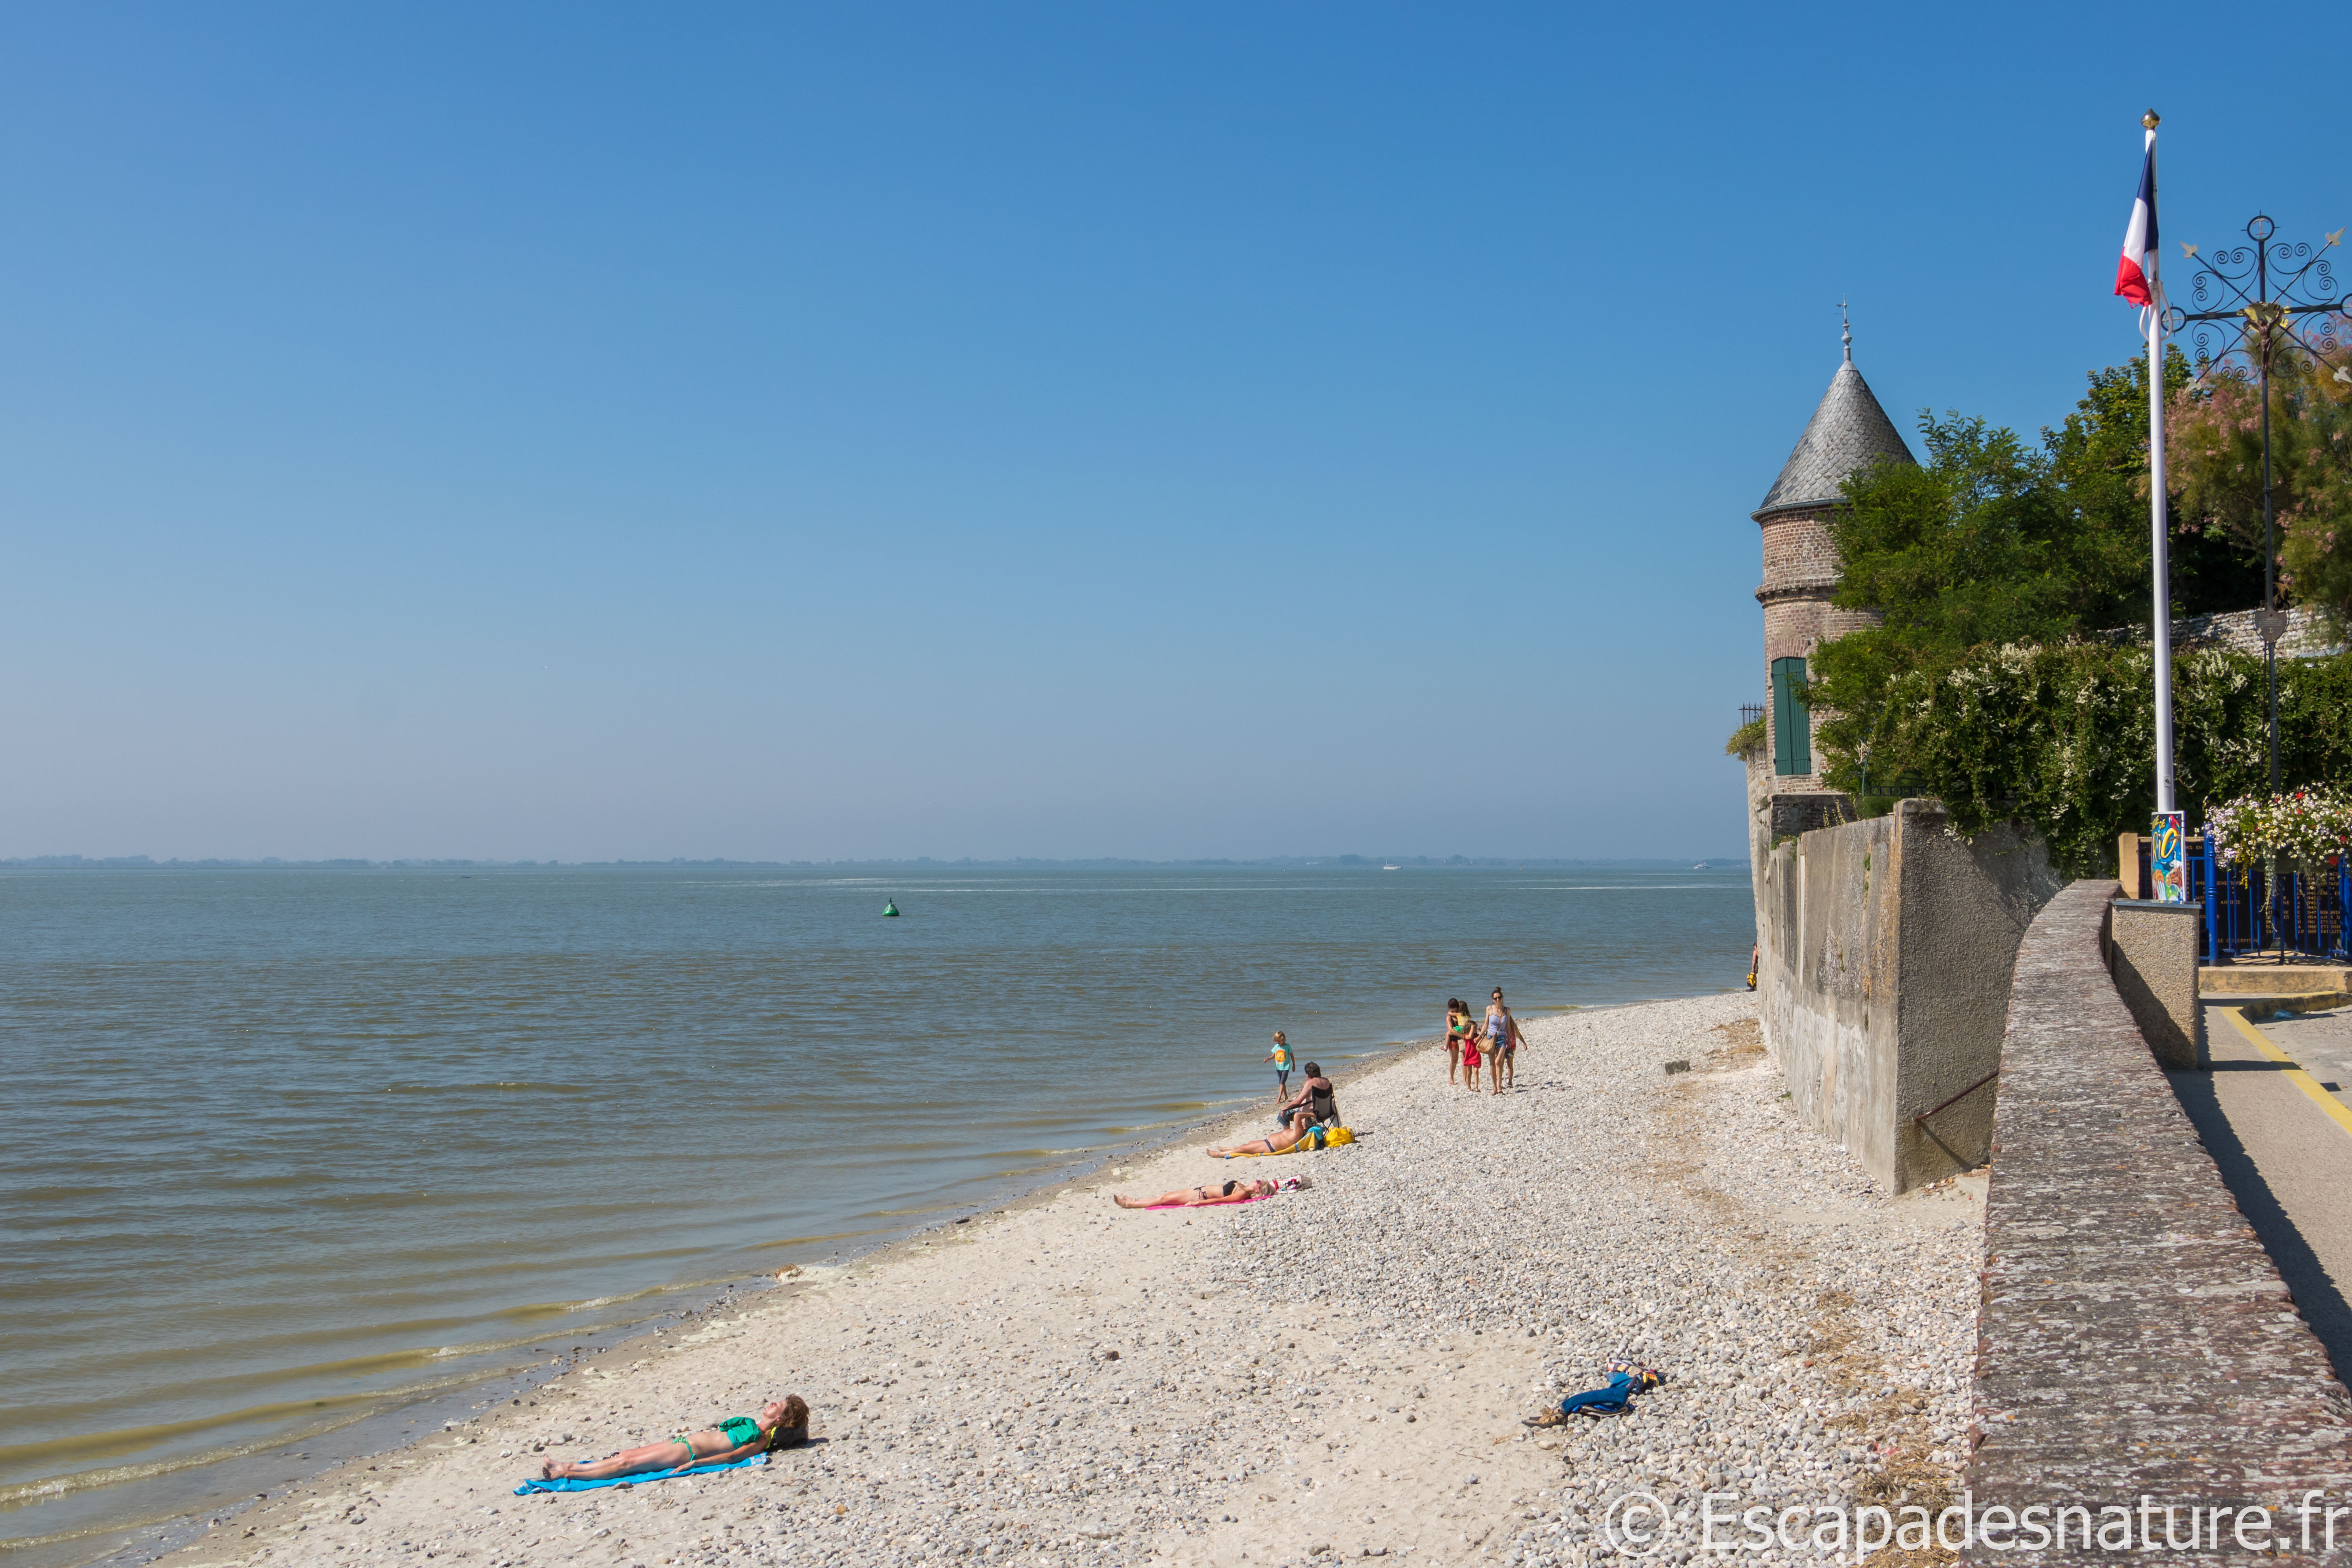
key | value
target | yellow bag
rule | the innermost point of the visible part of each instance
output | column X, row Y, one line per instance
column 1335, row 1136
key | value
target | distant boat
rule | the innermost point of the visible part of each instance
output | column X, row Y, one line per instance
column 891, row 908
column 1391, row 868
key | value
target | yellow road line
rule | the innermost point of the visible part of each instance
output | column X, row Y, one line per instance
column 2294, row 1075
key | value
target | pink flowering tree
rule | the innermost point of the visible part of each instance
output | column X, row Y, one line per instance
column 2214, row 432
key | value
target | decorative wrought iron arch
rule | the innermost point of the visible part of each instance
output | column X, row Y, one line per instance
column 2259, row 301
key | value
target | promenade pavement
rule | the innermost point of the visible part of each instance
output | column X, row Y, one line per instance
column 2274, row 1114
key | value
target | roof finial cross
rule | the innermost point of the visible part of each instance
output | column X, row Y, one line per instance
column 1846, row 329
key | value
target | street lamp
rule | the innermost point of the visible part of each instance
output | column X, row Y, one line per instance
column 2263, row 300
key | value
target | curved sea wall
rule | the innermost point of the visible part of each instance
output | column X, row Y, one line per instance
column 2134, row 1339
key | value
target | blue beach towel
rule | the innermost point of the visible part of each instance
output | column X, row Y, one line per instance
column 574, row 1484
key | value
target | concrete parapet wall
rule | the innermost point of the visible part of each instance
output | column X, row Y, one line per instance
column 1885, row 972
column 2152, row 949
column 2133, row 1337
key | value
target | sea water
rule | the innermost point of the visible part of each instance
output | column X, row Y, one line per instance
column 284, row 1149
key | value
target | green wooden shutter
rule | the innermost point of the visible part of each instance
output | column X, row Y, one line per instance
column 1792, row 724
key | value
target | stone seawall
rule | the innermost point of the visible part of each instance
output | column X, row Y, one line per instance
column 1883, row 980
column 2133, row 1337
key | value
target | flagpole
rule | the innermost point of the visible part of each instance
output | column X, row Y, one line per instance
column 2158, row 552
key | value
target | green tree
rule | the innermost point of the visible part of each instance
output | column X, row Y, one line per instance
column 2213, row 428
column 1979, row 544
column 2099, row 456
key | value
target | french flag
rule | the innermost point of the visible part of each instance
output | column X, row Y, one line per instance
column 2135, row 273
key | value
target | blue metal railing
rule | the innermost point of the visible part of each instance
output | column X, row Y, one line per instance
column 2304, row 915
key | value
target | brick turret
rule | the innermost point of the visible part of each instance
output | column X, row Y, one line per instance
column 1785, row 792
column 1800, row 565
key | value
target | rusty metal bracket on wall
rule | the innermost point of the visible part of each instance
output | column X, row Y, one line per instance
column 1957, row 1098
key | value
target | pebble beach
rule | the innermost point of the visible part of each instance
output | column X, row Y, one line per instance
column 1343, row 1372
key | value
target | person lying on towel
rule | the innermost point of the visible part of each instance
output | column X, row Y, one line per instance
column 780, row 1425
column 1215, row 1193
column 1273, row 1143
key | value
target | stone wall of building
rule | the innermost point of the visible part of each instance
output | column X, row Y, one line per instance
column 2134, row 1339
column 1796, row 622
column 1798, row 551
column 1884, row 970
column 1801, row 574
column 2308, row 635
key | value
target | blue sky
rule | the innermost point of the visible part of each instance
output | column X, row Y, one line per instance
column 582, row 431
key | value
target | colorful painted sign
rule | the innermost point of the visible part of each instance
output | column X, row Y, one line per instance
column 2166, row 867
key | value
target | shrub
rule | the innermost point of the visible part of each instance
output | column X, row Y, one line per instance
column 2062, row 737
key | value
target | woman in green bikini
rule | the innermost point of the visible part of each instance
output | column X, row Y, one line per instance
column 780, row 1425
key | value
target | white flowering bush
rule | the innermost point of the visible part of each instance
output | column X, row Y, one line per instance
column 2307, row 825
column 2061, row 736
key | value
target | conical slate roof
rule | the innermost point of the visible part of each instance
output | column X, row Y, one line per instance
column 1846, row 431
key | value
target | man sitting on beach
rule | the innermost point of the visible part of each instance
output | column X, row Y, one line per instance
column 1314, row 1102
column 780, row 1425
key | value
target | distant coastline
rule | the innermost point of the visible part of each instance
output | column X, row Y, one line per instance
column 921, row 863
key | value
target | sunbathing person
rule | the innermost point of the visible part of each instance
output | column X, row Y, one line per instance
column 779, row 1424
column 1215, row 1193
column 1272, row 1142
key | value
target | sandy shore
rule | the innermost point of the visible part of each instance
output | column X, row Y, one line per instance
column 1338, row 1372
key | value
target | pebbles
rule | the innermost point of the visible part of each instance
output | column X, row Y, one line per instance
column 1335, row 1372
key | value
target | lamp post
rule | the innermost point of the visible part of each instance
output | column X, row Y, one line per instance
column 2263, row 301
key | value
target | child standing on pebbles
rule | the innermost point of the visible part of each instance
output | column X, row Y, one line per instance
column 1280, row 1058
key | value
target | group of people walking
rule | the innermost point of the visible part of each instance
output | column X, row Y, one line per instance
column 1472, row 1043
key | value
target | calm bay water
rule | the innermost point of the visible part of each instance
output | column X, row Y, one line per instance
column 285, row 1148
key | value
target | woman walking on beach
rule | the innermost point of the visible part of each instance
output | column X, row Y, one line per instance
column 1457, row 1029
column 1502, row 1042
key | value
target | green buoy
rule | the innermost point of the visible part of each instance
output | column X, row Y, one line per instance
column 890, row 908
